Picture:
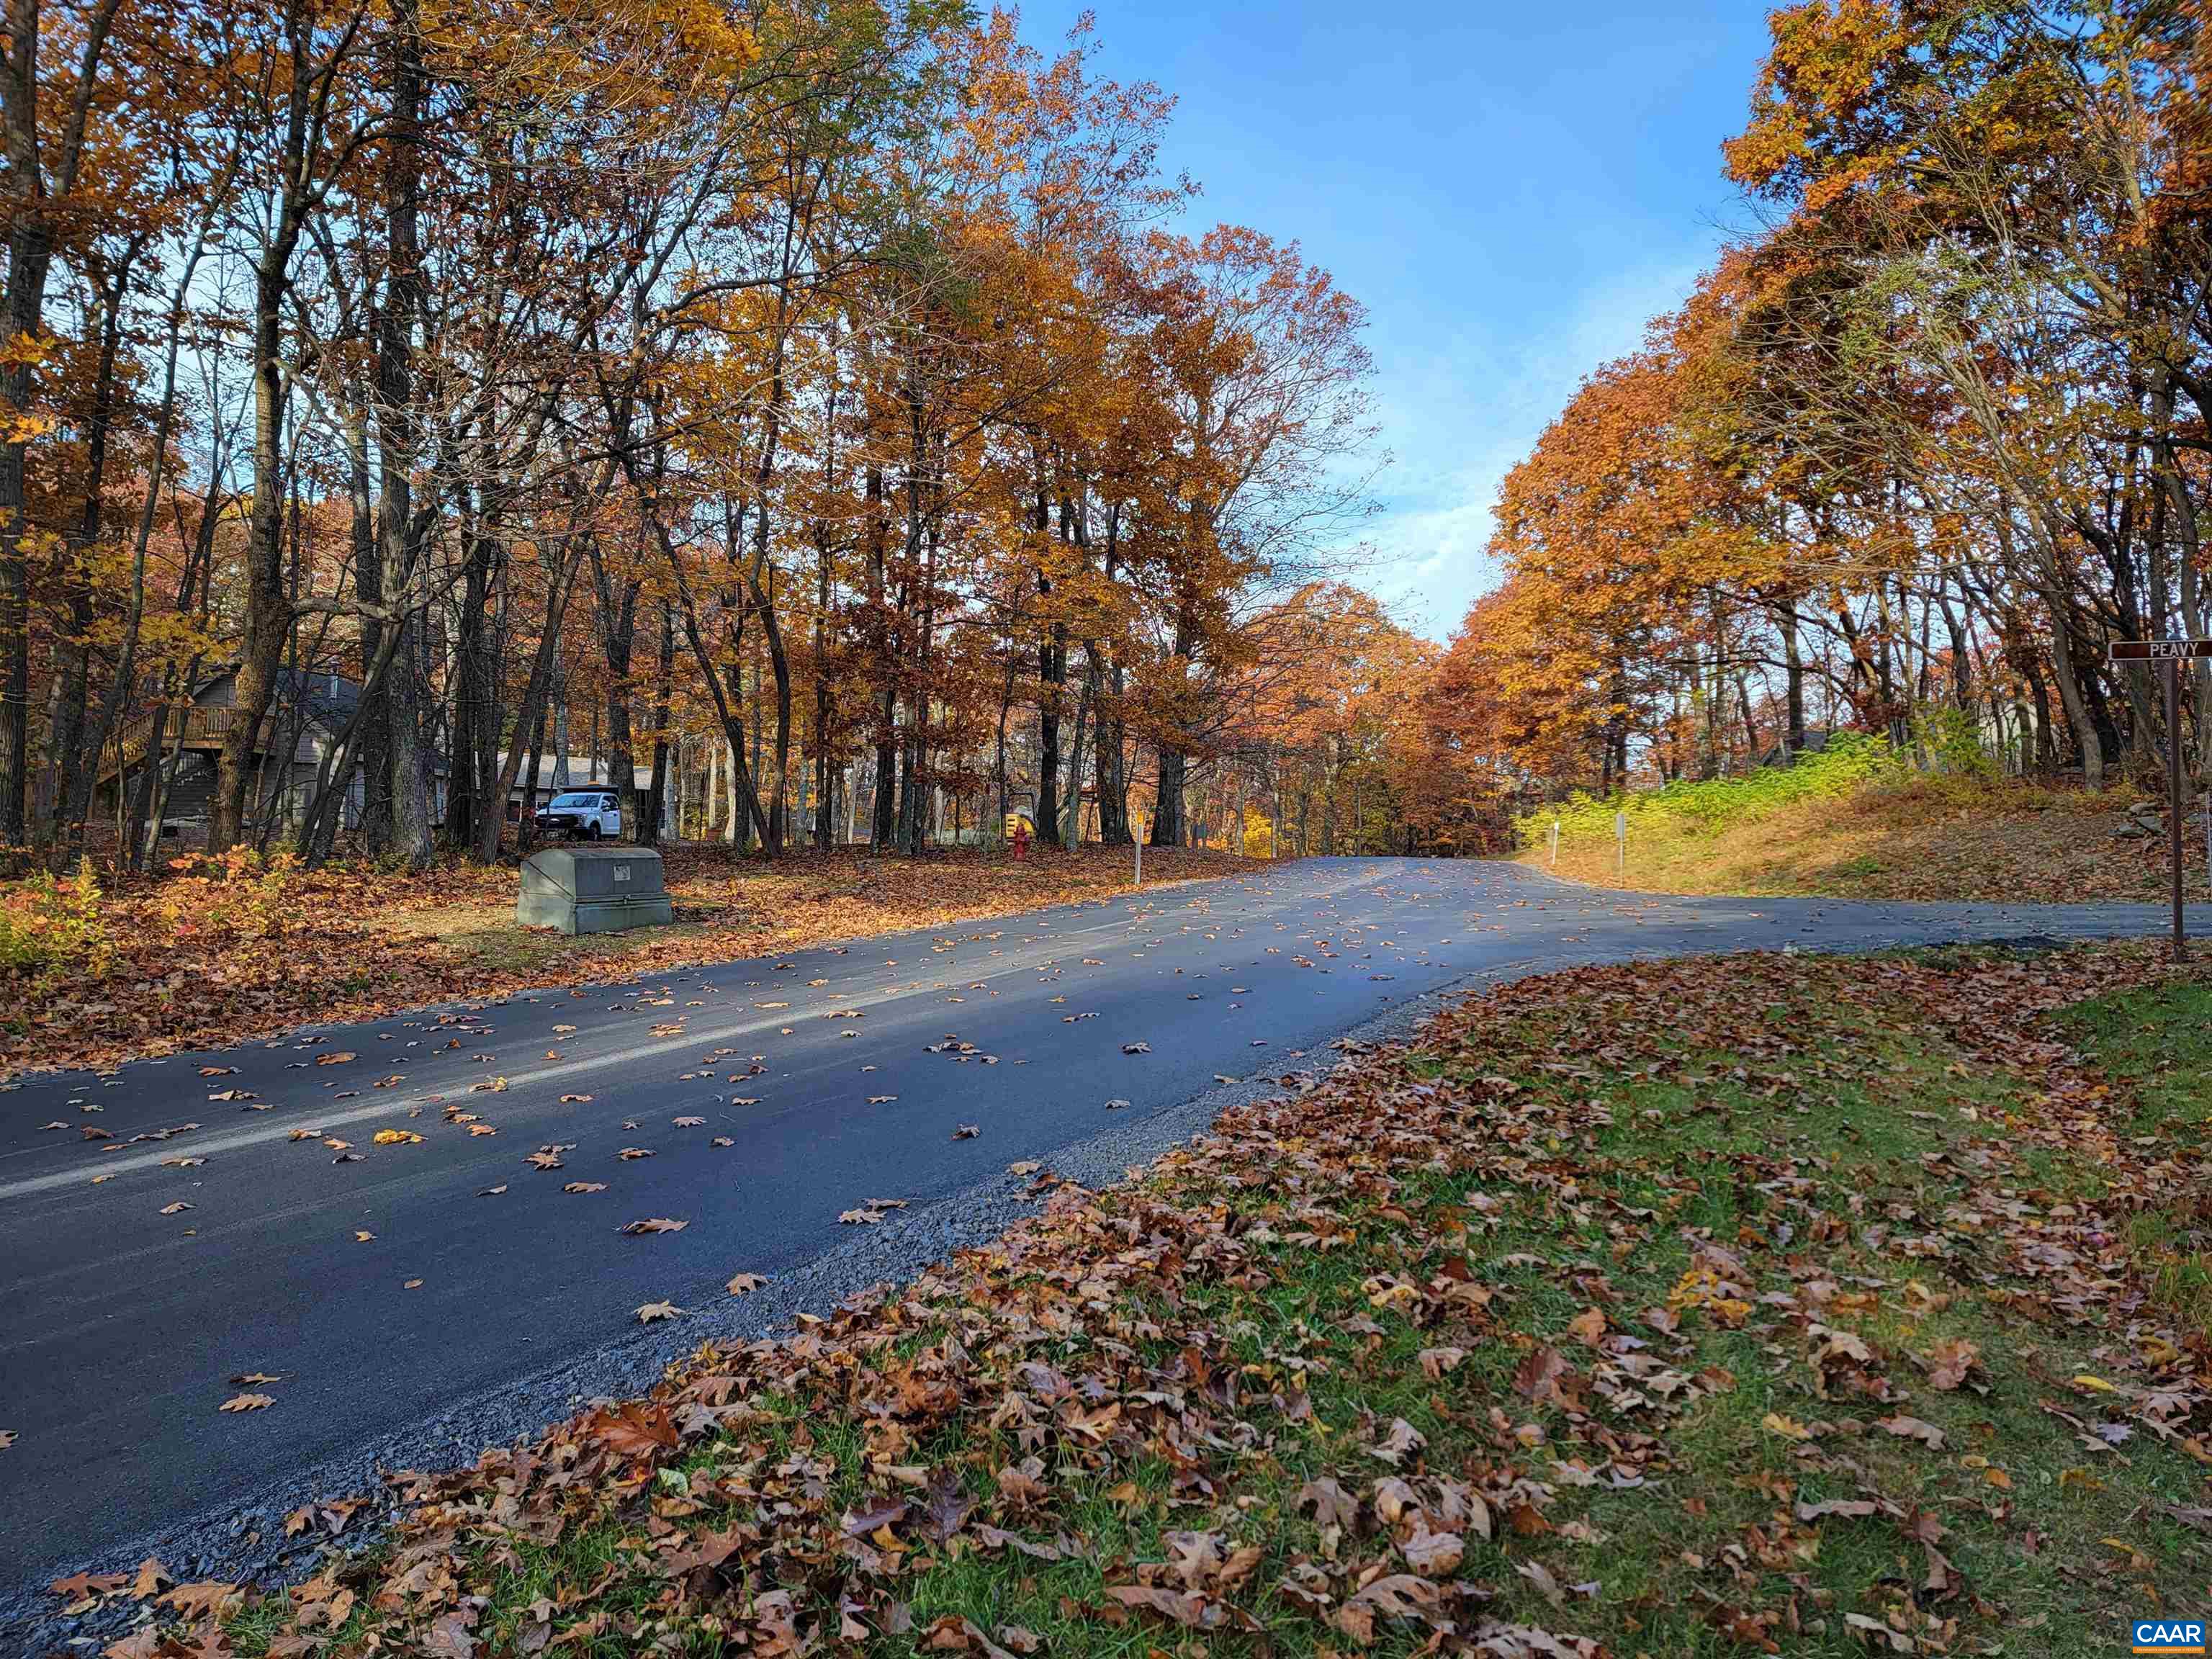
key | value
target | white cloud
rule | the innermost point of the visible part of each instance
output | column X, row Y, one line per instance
column 1458, row 413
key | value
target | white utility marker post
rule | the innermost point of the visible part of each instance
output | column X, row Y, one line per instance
column 1620, row 834
column 2171, row 653
column 1555, row 843
column 1140, row 849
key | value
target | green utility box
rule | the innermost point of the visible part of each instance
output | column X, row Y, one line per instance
column 592, row 890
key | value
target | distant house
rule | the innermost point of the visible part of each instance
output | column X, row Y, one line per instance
column 1816, row 741
column 306, row 719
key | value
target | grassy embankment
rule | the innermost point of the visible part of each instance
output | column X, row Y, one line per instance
column 1749, row 1304
column 1854, row 824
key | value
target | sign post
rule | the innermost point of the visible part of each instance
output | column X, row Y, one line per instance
column 2170, row 655
column 1620, row 834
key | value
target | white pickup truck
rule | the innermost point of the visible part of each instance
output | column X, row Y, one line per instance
column 586, row 814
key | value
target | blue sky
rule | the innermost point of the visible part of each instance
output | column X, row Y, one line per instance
column 1512, row 190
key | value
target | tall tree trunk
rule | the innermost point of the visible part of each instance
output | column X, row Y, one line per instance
column 652, row 816
column 30, row 257
column 268, row 620
column 1793, row 658
column 530, row 713
column 882, row 649
column 1168, row 811
column 2070, row 696
column 78, row 759
column 1112, row 767
column 616, row 611
column 474, row 671
column 375, row 737
column 779, row 672
column 399, row 531
column 825, row 827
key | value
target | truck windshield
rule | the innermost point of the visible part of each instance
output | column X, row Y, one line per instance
column 575, row 800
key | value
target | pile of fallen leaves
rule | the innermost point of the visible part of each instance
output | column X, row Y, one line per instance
column 213, row 953
column 1625, row 1313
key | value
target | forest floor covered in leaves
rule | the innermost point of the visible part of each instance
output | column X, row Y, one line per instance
column 1928, row 838
column 1760, row 1303
column 224, row 951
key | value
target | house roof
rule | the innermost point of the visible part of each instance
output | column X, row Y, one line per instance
column 322, row 699
column 583, row 774
column 329, row 700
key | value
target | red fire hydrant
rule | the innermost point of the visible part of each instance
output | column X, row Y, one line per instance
column 1021, row 841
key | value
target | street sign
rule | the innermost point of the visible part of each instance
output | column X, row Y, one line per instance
column 2172, row 653
column 2159, row 650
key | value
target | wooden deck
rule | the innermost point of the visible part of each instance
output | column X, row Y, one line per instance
column 193, row 730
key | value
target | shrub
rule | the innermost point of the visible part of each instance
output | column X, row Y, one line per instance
column 49, row 925
column 238, row 892
column 1851, row 761
column 1954, row 742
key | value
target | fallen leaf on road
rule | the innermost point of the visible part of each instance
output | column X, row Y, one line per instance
column 178, row 1208
column 881, row 1100
column 1027, row 1166
column 337, row 1059
column 630, row 1154
column 585, row 1187
column 248, row 1402
column 491, row 1192
column 396, row 1138
column 687, row 1122
column 253, row 1380
column 741, row 1284
column 966, row 1132
column 653, row 1310
column 575, row 1100
column 362, row 1238
column 655, row 1224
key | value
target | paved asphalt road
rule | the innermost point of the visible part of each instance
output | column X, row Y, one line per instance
column 211, row 1230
